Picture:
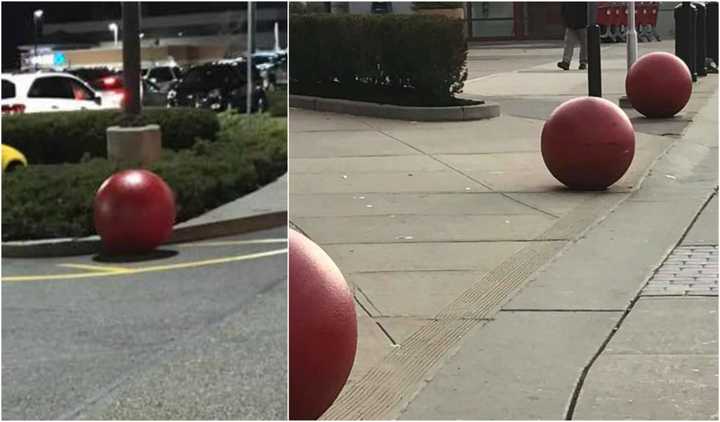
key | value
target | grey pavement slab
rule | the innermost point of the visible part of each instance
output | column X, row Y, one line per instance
column 655, row 387
column 606, row 268
column 390, row 292
column 705, row 229
column 215, row 375
column 421, row 256
column 487, row 136
column 355, row 204
column 269, row 198
column 557, row 202
column 344, row 144
column 345, row 165
column 661, row 364
column 310, row 121
column 421, row 228
column 522, row 365
column 669, row 326
column 439, row 181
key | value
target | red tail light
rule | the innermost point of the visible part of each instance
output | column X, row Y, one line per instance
column 110, row 81
column 13, row 109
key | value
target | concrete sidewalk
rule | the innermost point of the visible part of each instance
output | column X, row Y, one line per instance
column 483, row 286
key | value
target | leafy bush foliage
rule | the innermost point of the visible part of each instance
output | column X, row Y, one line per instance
column 49, row 201
column 420, row 54
column 65, row 137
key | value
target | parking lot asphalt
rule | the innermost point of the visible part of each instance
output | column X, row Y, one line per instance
column 192, row 331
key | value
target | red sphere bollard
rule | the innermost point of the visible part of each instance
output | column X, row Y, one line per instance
column 658, row 85
column 588, row 143
column 134, row 212
column 323, row 329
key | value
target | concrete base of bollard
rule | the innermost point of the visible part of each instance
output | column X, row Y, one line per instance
column 141, row 144
column 624, row 102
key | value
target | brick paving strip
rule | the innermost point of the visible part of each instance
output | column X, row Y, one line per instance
column 688, row 271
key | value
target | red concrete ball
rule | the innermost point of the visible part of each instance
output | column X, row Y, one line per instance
column 658, row 85
column 323, row 329
column 588, row 143
column 134, row 212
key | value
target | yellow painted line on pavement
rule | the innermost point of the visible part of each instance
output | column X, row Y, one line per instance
column 95, row 268
column 129, row 271
column 232, row 242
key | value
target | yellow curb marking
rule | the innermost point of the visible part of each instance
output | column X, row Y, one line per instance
column 232, row 242
column 96, row 268
column 114, row 271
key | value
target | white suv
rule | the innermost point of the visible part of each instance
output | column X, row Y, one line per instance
column 46, row 91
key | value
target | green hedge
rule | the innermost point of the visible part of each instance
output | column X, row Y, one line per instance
column 278, row 102
column 65, row 137
column 49, row 201
column 425, row 54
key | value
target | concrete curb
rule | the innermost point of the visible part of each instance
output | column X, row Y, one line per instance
column 48, row 248
column 389, row 111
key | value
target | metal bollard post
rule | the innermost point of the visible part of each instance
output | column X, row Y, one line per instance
column 711, row 30
column 685, row 36
column 593, row 47
column 700, row 45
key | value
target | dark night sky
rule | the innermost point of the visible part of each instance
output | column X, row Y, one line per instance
column 17, row 22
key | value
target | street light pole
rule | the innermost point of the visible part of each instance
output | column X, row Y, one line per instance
column 632, row 39
column 250, row 17
column 37, row 15
column 114, row 28
column 131, row 56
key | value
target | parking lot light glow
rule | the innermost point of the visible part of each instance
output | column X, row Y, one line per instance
column 114, row 28
column 38, row 14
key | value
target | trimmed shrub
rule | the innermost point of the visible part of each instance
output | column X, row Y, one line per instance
column 49, row 201
column 422, row 54
column 66, row 137
column 278, row 102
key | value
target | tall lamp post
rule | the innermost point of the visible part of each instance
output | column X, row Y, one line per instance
column 250, row 43
column 114, row 28
column 631, row 40
column 37, row 18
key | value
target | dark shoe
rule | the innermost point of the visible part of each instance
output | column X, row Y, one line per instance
column 563, row 65
column 583, row 66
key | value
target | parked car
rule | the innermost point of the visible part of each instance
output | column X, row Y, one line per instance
column 152, row 95
column 272, row 67
column 12, row 158
column 108, row 82
column 46, row 91
column 163, row 76
column 218, row 86
column 111, row 85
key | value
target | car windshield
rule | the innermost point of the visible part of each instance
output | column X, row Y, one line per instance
column 262, row 59
column 213, row 75
column 8, row 89
column 161, row 74
column 99, row 78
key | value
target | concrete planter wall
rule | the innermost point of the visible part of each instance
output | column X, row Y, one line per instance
column 139, row 144
column 456, row 13
column 388, row 111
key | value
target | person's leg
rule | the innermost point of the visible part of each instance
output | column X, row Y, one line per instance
column 570, row 40
column 568, row 50
column 582, row 37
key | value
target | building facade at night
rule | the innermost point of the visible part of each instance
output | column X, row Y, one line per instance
column 502, row 20
column 193, row 36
